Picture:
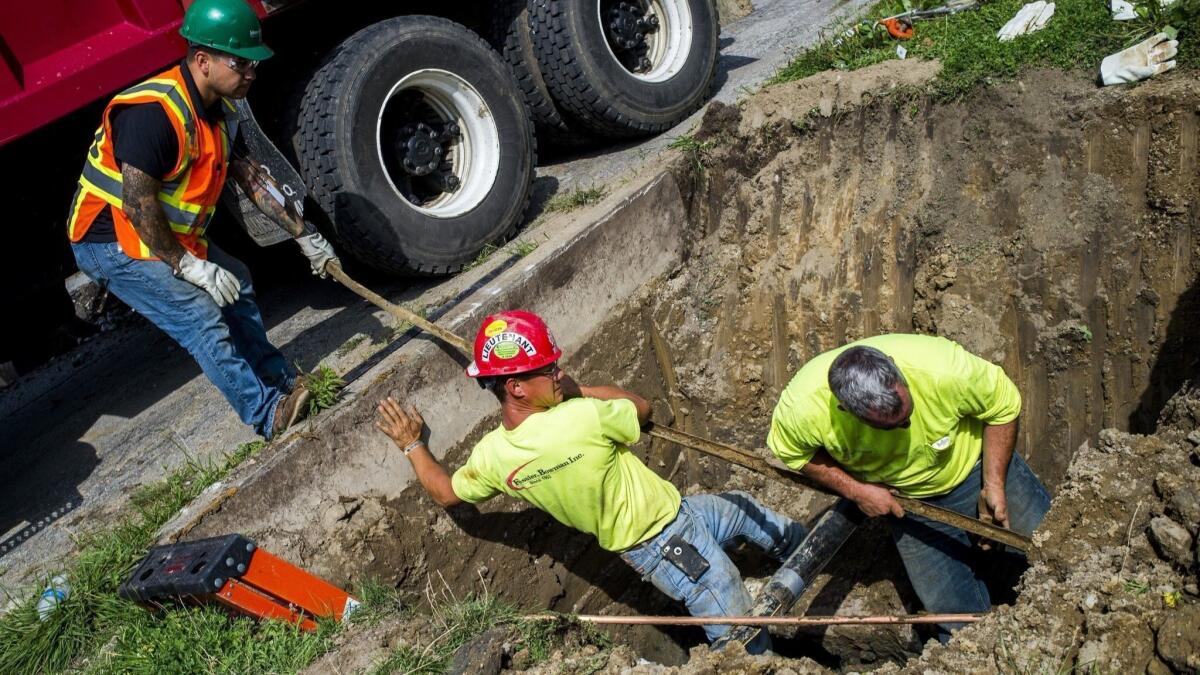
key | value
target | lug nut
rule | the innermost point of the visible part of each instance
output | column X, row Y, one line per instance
column 437, row 151
column 431, row 166
column 452, row 182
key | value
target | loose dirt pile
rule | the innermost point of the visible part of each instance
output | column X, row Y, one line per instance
column 1046, row 225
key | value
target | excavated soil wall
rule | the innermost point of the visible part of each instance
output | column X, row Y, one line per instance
column 1046, row 225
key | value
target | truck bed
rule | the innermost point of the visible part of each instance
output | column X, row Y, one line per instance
column 59, row 55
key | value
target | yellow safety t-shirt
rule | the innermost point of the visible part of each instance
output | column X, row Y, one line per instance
column 571, row 462
column 954, row 393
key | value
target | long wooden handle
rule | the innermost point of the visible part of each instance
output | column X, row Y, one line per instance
column 728, row 453
column 335, row 269
column 755, row 463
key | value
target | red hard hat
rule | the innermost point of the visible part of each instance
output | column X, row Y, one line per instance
column 512, row 342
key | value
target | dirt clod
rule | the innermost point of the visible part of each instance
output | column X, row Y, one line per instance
column 1171, row 541
column 481, row 656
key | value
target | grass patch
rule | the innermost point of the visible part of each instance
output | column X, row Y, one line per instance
column 349, row 345
column 517, row 247
column 93, row 615
column 324, row 384
column 456, row 622
column 484, row 253
column 522, row 247
column 695, row 149
column 95, row 631
column 576, row 199
column 1080, row 34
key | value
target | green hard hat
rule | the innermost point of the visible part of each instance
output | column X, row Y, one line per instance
column 228, row 25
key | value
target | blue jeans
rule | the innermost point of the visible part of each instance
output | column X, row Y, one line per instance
column 713, row 523
column 229, row 343
column 938, row 558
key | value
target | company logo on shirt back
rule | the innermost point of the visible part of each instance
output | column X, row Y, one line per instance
column 535, row 476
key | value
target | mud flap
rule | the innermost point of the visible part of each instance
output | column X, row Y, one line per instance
column 254, row 144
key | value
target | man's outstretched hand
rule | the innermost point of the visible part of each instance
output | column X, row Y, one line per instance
column 401, row 425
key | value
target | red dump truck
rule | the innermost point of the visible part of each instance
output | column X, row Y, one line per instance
column 414, row 125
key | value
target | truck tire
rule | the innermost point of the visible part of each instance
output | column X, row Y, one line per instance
column 511, row 36
column 625, row 68
column 414, row 141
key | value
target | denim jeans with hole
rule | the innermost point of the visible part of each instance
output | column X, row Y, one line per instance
column 712, row 524
column 941, row 560
column 229, row 343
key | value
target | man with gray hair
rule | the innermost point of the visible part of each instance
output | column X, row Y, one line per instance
column 920, row 416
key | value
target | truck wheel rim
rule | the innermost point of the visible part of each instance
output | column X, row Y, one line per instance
column 650, row 39
column 435, row 111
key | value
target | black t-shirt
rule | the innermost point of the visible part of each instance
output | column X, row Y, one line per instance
column 143, row 137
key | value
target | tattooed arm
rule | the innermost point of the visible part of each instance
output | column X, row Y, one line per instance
column 139, row 197
column 254, row 181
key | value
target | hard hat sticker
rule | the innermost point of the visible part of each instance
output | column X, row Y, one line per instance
column 506, row 350
column 495, row 328
column 506, row 346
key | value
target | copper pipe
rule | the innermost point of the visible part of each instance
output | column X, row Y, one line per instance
column 761, row 620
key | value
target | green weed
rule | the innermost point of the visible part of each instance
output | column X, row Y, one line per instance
column 522, row 247
column 694, row 149
column 576, row 199
column 517, row 247
column 1136, row 587
column 324, row 384
column 484, row 253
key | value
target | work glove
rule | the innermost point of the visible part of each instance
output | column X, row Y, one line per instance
column 318, row 251
column 1152, row 56
column 216, row 280
column 1030, row 18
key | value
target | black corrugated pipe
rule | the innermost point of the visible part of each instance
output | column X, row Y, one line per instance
column 797, row 572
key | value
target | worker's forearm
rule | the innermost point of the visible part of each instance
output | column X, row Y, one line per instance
column 998, row 444
column 433, row 477
column 610, row 393
column 139, row 202
column 266, row 202
column 825, row 471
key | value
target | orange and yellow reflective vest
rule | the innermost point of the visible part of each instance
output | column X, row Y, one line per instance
column 189, row 192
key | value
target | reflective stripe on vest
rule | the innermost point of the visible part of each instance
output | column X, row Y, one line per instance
column 189, row 193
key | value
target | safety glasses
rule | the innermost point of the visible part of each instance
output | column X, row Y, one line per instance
column 549, row 371
column 239, row 65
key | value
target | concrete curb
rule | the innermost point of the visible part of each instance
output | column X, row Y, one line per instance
column 589, row 269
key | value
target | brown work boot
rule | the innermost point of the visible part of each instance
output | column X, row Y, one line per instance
column 290, row 409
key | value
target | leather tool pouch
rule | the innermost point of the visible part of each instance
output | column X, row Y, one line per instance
column 685, row 556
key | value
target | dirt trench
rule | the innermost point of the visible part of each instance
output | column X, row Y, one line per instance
column 1046, row 225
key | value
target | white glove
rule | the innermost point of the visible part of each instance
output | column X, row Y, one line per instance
column 218, row 281
column 1152, row 56
column 318, row 251
column 1030, row 18
column 1122, row 10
